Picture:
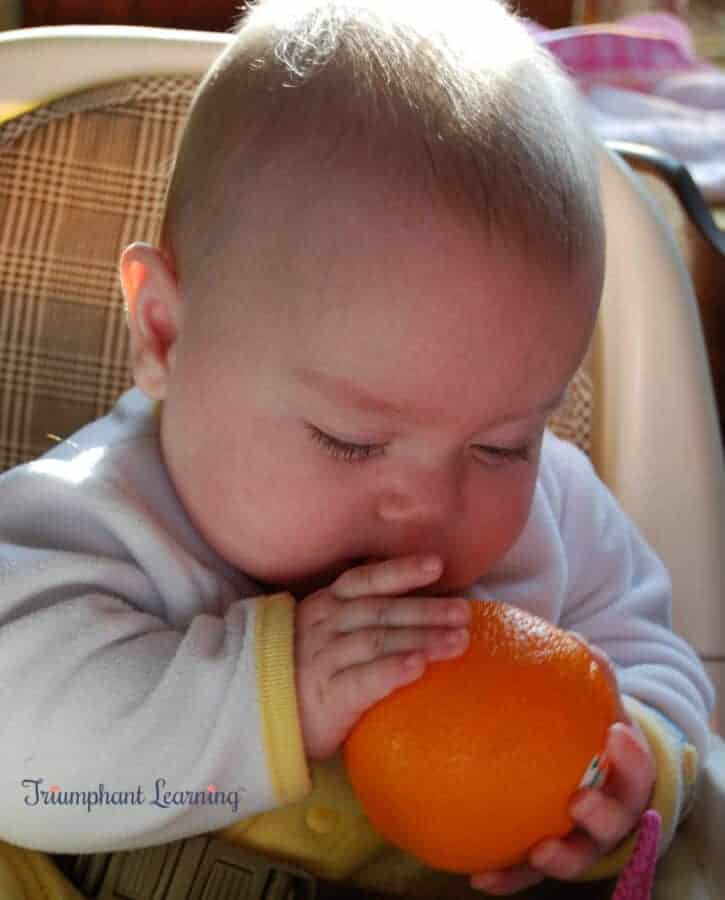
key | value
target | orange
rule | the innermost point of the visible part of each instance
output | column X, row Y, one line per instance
column 474, row 763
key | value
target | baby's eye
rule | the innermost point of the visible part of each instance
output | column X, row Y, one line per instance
column 357, row 452
column 341, row 449
column 507, row 454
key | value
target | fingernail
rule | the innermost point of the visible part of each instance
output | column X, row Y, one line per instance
column 431, row 564
column 618, row 739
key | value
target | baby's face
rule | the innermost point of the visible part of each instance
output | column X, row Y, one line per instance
column 387, row 395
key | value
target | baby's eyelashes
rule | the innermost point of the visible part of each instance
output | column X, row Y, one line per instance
column 353, row 452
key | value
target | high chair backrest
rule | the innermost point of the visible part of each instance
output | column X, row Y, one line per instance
column 92, row 116
column 656, row 437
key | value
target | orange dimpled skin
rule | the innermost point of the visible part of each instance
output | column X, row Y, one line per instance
column 474, row 763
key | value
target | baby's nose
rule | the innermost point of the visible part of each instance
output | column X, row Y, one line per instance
column 426, row 496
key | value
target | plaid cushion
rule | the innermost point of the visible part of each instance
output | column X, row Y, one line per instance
column 80, row 179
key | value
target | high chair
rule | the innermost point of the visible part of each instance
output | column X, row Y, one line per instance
column 89, row 118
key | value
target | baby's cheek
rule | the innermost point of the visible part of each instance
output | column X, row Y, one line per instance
column 509, row 507
column 282, row 535
column 495, row 522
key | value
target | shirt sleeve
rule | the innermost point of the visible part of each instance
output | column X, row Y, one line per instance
column 142, row 699
column 619, row 597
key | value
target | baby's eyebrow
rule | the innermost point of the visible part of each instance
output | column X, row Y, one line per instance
column 339, row 389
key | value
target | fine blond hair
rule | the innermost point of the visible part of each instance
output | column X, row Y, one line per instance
column 454, row 96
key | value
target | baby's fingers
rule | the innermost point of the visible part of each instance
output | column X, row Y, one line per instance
column 368, row 644
column 357, row 688
column 633, row 769
column 566, row 858
column 391, row 576
column 610, row 814
column 368, row 665
column 331, row 704
column 604, row 818
column 506, row 881
column 561, row 859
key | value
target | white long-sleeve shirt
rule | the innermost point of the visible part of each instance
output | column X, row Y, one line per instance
column 134, row 660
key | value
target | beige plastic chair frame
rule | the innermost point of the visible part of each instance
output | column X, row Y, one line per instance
column 656, row 441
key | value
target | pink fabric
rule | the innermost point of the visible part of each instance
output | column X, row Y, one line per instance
column 635, row 882
column 623, row 57
column 644, row 83
column 636, row 51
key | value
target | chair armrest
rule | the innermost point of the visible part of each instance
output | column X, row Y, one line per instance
column 677, row 176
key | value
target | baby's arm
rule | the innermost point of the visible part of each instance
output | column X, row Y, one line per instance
column 619, row 598
column 124, row 661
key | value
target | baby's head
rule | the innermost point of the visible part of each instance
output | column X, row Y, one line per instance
column 379, row 269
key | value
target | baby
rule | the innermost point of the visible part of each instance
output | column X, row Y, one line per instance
column 379, row 270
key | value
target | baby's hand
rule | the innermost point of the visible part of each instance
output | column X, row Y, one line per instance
column 355, row 643
column 604, row 816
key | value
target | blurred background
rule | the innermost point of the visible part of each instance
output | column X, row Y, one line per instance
column 706, row 18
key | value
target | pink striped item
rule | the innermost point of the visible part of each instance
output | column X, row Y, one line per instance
column 635, row 882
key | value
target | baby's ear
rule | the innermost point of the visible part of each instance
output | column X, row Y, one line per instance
column 153, row 313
